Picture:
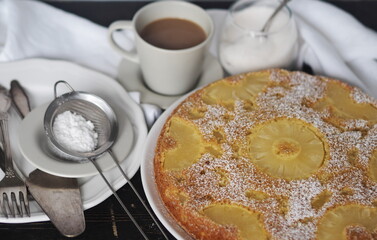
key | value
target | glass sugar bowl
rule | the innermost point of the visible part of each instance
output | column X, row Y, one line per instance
column 244, row 47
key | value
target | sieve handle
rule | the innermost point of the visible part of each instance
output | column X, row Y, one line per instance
column 136, row 193
column 66, row 84
column 118, row 198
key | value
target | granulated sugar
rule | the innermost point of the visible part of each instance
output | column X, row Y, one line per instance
column 243, row 47
column 74, row 132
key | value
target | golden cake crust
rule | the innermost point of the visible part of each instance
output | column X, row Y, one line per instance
column 221, row 166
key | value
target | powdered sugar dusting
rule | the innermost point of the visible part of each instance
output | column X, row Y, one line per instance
column 361, row 97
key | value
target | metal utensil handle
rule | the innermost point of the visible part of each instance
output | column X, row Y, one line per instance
column 119, row 200
column 136, row 193
column 19, row 98
column 66, row 84
column 8, row 164
column 269, row 20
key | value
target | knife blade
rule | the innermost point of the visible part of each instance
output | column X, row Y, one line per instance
column 59, row 197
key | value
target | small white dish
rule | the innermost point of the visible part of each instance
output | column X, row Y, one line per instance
column 32, row 142
column 130, row 77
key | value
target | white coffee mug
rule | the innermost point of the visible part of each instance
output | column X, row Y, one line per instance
column 169, row 72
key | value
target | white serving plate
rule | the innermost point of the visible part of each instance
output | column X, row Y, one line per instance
column 148, row 177
column 38, row 77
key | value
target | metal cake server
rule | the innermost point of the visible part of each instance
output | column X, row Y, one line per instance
column 59, row 197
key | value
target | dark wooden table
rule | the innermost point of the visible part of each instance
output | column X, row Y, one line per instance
column 107, row 220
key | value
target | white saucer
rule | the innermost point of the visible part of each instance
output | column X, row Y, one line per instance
column 33, row 146
column 130, row 77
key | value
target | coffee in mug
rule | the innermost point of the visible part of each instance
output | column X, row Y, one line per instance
column 173, row 33
column 171, row 39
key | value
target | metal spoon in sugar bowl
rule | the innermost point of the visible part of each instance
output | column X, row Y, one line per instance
column 269, row 20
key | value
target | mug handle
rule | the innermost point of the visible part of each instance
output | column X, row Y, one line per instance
column 118, row 25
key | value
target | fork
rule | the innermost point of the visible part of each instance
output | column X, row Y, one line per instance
column 13, row 192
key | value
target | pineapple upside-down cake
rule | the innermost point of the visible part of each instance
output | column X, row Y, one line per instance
column 271, row 155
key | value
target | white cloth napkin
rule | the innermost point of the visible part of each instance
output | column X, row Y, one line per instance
column 334, row 43
column 32, row 29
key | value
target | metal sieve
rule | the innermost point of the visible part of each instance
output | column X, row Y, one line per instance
column 92, row 108
column 96, row 110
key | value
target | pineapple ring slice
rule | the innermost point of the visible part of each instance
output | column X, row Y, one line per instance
column 373, row 166
column 342, row 107
column 189, row 145
column 334, row 223
column 249, row 223
column 287, row 148
column 226, row 92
